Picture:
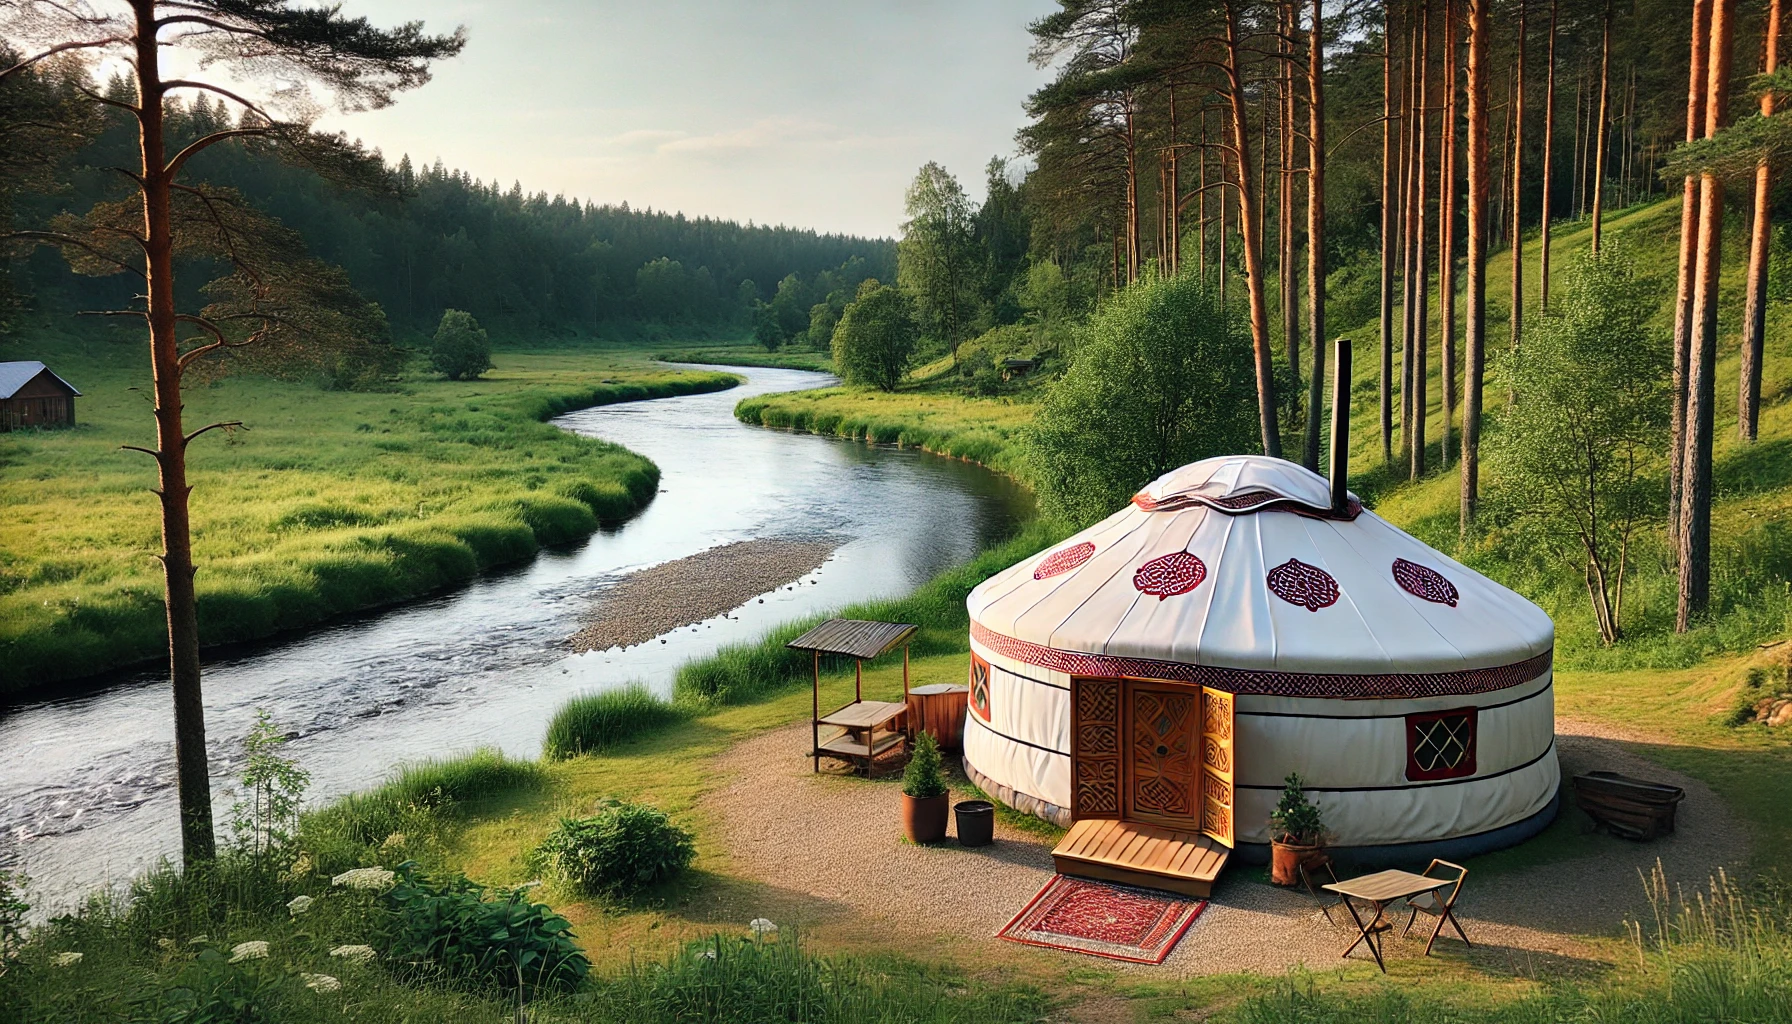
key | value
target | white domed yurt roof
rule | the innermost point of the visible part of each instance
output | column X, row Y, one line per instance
column 1238, row 563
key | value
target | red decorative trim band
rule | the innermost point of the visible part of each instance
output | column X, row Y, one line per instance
column 1059, row 562
column 1402, row 686
column 1245, row 504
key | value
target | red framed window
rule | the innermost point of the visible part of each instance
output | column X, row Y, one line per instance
column 1440, row 745
column 980, row 687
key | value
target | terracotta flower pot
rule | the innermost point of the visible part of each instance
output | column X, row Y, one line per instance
column 1285, row 860
column 924, row 821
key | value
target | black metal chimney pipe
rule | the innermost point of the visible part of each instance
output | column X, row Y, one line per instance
column 1340, row 467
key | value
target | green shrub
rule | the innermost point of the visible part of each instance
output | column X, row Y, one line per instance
column 876, row 337
column 421, row 801
column 1163, row 378
column 461, row 349
column 502, row 942
column 921, row 779
column 1296, row 820
column 618, row 851
column 591, row 722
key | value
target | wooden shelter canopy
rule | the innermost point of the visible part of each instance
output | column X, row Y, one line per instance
column 855, row 638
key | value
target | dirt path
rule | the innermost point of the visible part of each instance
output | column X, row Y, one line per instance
column 688, row 590
column 827, row 852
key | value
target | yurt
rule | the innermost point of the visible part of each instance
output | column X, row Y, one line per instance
column 1242, row 619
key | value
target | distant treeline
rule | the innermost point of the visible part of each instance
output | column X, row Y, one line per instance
column 430, row 238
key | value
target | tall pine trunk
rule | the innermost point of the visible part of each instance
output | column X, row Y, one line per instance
column 1689, row 231
column 191, row 768
column 1409, row 236
column 1286, row 250
column 1549, row 155
column 1601, row 134
column 1476, row 296
column 1421, row 279
column 1754, row 324
column 1316, row 230
column 1516, row 215
column 1389, row 222
column 1446, row 236
column 1695, row 496
column 1247, row 223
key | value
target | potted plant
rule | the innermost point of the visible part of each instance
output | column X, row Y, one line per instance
column 925, row 800
column 1296, row 833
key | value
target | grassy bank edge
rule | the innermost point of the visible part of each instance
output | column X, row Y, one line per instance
column 980, row 444
column 425, row 559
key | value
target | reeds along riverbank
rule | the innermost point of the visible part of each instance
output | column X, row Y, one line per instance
column 983, row 431
column 335, row 502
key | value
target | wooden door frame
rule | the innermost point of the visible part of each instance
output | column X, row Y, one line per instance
column 1128, row 689
column 1100, row 766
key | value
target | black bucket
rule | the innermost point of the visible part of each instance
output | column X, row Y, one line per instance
column 976, row 822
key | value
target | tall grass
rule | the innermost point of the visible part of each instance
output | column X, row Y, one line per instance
column 410, row 813
column 741, row 673
column 592, row 722
column 1719, row 954
column 332, row 502
column 940, row 421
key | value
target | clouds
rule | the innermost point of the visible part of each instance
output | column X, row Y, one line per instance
column 802, row 112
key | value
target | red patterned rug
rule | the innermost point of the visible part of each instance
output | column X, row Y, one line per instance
column 1115, row 921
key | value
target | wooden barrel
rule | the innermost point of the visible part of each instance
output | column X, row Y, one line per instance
column 939, row 709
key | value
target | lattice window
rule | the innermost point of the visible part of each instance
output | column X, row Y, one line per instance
column 980, row 687
column 1440, row 745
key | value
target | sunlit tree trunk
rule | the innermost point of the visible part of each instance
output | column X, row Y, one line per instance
column 1695, row 498
column 1247, row 222
column 1476, row 297
column 1132, row 197
column 1409, row 236
column 1549, row 155
column 1286, row 251
column 1601, row 134
column 1516, row 186
column 1421, row 280
column 1689, row 231
column 1175, row 185
column 1754, row 324
column 1388, row 225
column 1316, row 229
column 1446, row 235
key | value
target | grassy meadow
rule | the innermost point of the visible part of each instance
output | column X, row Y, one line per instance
column 327, row 502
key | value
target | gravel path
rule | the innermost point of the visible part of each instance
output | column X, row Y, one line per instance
column 701, row 586
column 827, row 853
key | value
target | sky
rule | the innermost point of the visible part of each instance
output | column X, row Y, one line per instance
column 802, row 112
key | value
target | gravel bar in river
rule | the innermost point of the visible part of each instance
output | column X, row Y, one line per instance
column 688, row 590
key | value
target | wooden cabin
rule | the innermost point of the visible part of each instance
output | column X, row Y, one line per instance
column 31, row 395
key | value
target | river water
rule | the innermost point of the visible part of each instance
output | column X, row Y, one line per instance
column 86, row 773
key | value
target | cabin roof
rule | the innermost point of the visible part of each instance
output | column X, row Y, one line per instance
column 16, row 375
column 858, row 638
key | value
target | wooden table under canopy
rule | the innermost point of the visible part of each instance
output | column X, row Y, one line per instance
column 869, row 729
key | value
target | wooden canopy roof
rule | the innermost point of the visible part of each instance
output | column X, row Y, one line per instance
column 855, row 638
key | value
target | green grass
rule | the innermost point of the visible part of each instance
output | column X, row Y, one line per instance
column 329, row 502
column 593, row 722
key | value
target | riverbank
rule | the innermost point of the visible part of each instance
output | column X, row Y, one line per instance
column 688, row 590
column 327, row 503
column 750, row 355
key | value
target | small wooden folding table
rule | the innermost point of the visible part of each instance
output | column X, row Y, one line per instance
column 1378, row 890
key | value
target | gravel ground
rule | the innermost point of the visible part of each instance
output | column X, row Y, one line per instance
column 828, row 851
column 701, row 586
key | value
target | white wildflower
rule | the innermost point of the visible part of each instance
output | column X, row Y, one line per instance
column 374, row 879
column 69, row 959
column 354, row 954
column 708, row 954
column 321, row 982
column 256, row 950
column 299, row 905
column 761, row 927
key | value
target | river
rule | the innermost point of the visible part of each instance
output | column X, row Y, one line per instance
column 86, row 771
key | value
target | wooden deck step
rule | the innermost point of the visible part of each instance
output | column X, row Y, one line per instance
column 1132, row 853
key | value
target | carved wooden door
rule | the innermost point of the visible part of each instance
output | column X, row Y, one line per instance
column 1163, row 735
column 1217, row 766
